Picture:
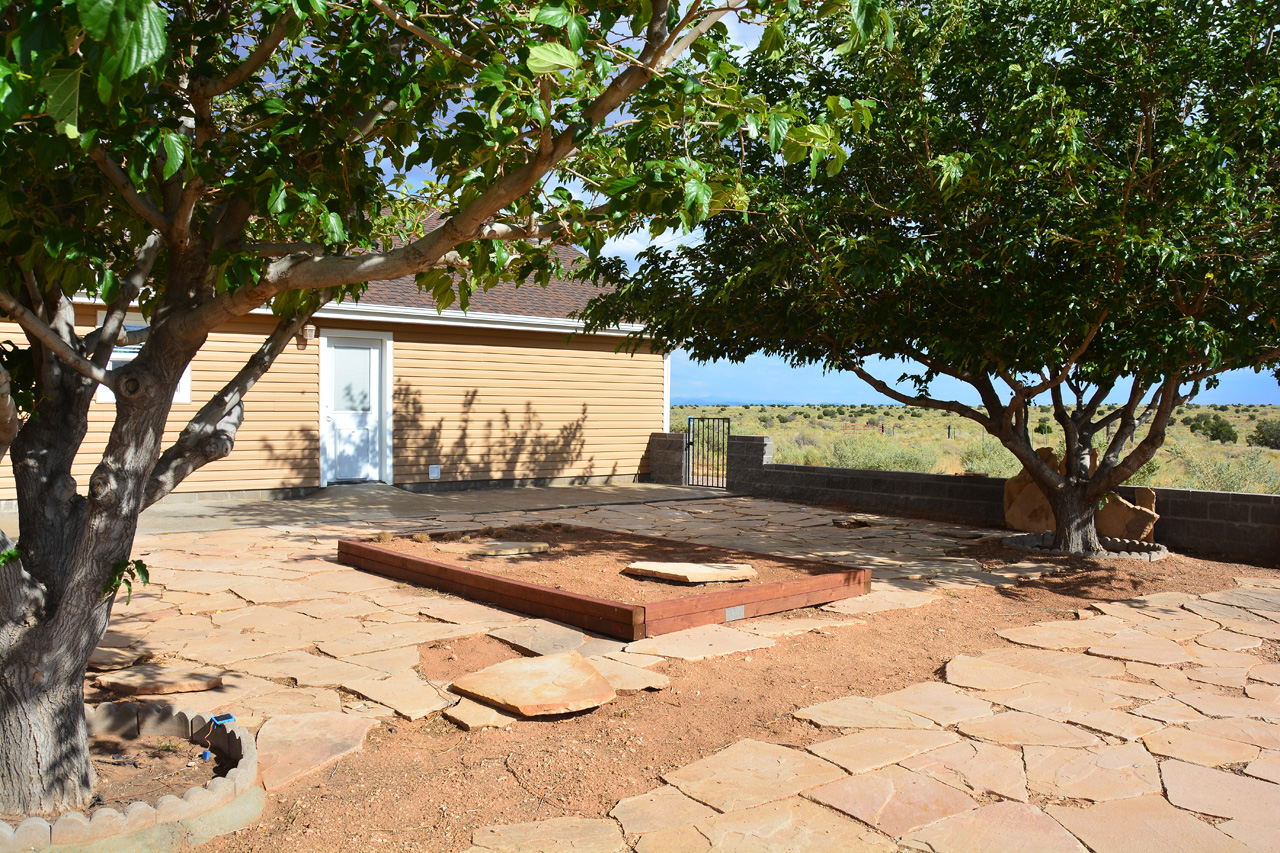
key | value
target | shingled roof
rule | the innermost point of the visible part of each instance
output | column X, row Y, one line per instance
column 558, row 299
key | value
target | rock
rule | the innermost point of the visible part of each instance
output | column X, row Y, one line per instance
column 1057, row 699
column 1256, row 732
column 1250, row 598
column 1056, row 664
column 857, row 712
column 1221, row 794
column 1101, row 773
column 1142, row 825
column 405, row 692
column 154, row 678
column 640, row 661
column 692, row 572
column 661, row 808
column 881, row 600
column 893, row 800
column 626, row 679
column 306, row 669
column 942, row 703
column 1016, row 727
column 469, row 716
column 1229, row 640
column 750, row 773
column 494, row 548
column 1199, row 748
column 1169, row 710
column 540, row 637
column 1117, row 723
column 226, row 650
column 105, row 660
column 793, row 825
column 290, row 700
column 975, row 768
column 1060, row 636
column 1027, row 509
column 982, row 674
column 1006, row 827
column 779, row 626
column 1255, row 838
column 1142, row 647
column 558, row 835
column 348, row 580
column 392, row 660
column 294, row 745
column 1267, row 767
column 380, row 638
column 465, row 612
column 262, row 591
column 551, row 684
column 698, row 643
column 1213, row 705
column 875, row 748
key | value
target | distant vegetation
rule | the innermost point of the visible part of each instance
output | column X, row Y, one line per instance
column 1203, row 450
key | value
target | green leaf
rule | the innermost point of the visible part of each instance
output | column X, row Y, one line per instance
column 276, row 198
column 552, row 57
column 175, row 151
column 772, row 41
column 697, row 198
column 138, row 35
column 576, row 30
column 333, row 228
column 778, row 127
column 555, row 15
column 62, row 99
column 95, row 16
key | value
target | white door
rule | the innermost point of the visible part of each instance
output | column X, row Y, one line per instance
column 352, row 409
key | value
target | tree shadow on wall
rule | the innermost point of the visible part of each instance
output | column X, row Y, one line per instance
column 473, row 446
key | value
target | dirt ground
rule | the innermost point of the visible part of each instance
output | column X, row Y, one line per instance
column 426, row 785
column 590, row 562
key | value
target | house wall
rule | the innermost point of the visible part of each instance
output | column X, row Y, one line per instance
column 485, row 405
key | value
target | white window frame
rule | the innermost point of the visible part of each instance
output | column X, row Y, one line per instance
column 386, row 444
column 123, row 355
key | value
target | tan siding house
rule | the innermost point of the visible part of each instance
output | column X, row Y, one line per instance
column 391, row 390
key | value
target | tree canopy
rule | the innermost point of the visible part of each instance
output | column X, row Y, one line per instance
column 1058, row 198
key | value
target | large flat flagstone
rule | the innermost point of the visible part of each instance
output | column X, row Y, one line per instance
column 885, row 599
column 661, row 808
column 1142, row 825
column 557, row 835
column 1205, row 656
column 263, row 591
column 1270, row 673
column 1005, row 827
column 406, row 693
column 751, row 773
column 291, row 746
column 626, row 679
column 392, row 660
column 1179, row 629
column 265, row 619
column 228, row 649
column 793, row 825
column 1056, row 699
column 1199, row 748
column 1056, row 664
column 1140, row 646
column 692, row 572
column 348, row 580
column 1221, row 794
column 1236, row 619
column 944, row 704
column 975, row 767
column 290, row 700
column 153, row 678
column 1057, row 635
column 1256, row 732
column 540, row 637
column 1117, row 724
column 1168, row 710
column 469, row 716
column 1229, row 640
column 306, row 669
column 1257, row 839
column 707, row 641
column 857, row 712
column 334, row 608
column 380, row 638
column 1016, row 727
column 781, row 626
column 894, row 800
column 1214, row 705
column 464, row 612
column 1267, row 767
column 550, row 684
column 875, row 748
column 1250, row 598
column 983, row 674
column 1101, row 773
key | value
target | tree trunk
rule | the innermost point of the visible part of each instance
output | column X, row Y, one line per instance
column 44, row 755
column 1074, row 512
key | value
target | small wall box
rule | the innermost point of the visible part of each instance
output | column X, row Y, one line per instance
column 433, row 472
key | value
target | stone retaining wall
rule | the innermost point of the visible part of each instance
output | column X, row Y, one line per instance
column 1218, row 524
column 225, row 804
column 666, row 458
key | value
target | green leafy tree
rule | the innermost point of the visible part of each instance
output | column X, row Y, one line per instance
column 196, row 162
column 1057, row 200
column 1265, row 434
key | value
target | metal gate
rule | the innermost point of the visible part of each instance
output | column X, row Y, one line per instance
column 706, row 452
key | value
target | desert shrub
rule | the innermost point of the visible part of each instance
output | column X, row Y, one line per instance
column 877, row 454
column 1266, row 434
column 1249, row 471
column 1043, row 427
column 1217, row 429
column 1147, row 474
column 989, row 457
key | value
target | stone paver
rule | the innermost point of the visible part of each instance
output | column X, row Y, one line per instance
column 550, row 684
column 856, row 712
column 558, row 835
column 1256, row 732
column 1214, row 705
column 1016, row 727
column 1169, row 710
column 692, row 573
column 469, row 716
column 707, row 641
column 875, row 748
column 983, row 674
column 1057, row 635
column 975, row 767
column 1259, row 839
column 876, row 602
column 291, row 746
column 1056, row 699
column 1006, row 827
column 783, row 627
column 1199, row 748
column 289, row 700
column 349, row 580
column 267, row 591
column 1117, row 724
column 1101, row 773
column 154, row 678
column 405, row 692
column 661, row 808
column 751, row 773
column 1056, row 664
column 1221, row 794
column 1265, row 768
column 1142, row 825
column 465, row 612
column 894, row 800
column 626, row 679
column 306, row 669
column 391, row 660
column 793, row 825
column 944, row 704
column 380, row 638
column 1229, row 640
column 229, row 649
column 1141, row 646
column 540, row 637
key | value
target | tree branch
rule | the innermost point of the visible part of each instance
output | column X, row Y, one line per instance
column 211, row 434
column 923, row 402
column 252, row 63
column 409, row 26
column 108, row 337
column 41, row 331
column 139, row 204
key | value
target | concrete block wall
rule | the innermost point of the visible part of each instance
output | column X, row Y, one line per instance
column 666, row 458
column 1212, row 524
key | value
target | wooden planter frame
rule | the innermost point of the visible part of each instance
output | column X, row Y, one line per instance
column 610, row 618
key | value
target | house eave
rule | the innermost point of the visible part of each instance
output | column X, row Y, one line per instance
column 354, row 311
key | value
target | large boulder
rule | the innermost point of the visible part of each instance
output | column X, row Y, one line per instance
column 1026, row 507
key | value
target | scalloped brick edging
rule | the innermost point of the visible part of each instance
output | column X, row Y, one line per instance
column 1128, row 549
column 225, row 804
